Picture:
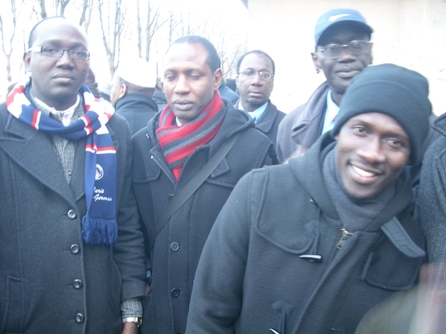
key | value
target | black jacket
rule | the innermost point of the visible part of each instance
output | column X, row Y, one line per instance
column 431, row 200
column 303, row 126
column 269, row 121
column 256, row 273
column 50, row 280
column 178, row 246
column 160, row 99
column 137, row 109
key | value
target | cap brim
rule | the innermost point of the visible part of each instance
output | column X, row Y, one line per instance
column 366, row 28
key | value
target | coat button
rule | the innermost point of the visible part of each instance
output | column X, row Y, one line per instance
column 79, row 318
column 71, row 214
column 175, row 293
column 77, row 284
column 74, row 248
column 175, row 246
column 170, row 198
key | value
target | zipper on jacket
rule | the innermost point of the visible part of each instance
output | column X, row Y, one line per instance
column 344, row 237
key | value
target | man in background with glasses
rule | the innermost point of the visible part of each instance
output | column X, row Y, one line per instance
column 343, row 50
column 255, row 82
column 71, row 252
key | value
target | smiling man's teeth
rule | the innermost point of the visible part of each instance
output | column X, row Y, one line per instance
column 362, row 172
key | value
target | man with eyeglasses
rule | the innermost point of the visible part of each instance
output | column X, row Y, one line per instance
column 71, row 251
column 255, row 82
column 343, row 50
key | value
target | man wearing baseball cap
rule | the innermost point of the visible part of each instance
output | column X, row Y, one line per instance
column 342, row 50
column 131, row 93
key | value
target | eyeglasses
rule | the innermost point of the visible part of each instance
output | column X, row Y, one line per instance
column 265, row 75
column 333, row 51
column 58, row 52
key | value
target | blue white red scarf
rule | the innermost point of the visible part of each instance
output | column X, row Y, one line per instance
column 99, row 225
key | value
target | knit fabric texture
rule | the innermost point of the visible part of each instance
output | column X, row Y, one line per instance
column 99, row 225
column 179, row 142
column 392, row 90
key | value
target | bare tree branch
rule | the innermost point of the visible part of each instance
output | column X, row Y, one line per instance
column 43, row 12
column 111, row 31
column 8, row 42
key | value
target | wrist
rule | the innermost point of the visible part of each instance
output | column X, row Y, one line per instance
column 134, row 320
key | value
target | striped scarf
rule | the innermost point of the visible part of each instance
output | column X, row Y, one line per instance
column 179, row 142
column 99, row 225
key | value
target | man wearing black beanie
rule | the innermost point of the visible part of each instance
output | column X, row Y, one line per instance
column 310, row 246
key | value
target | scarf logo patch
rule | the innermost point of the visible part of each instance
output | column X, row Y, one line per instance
column 99, row 172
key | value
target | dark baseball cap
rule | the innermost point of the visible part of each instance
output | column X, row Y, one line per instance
column 340, row 15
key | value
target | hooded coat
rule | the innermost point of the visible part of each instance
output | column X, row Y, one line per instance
column 277, row 260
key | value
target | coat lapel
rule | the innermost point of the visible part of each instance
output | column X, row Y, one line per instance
column 267, row 120
column 77, row 179
column 33, row 151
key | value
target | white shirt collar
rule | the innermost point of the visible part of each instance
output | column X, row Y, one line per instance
column 330, row 114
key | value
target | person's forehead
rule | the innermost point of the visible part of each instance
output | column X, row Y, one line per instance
column 186, row 54
column 256, row 59
column 59, row 31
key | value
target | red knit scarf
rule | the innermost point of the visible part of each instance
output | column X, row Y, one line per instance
column 178, row 142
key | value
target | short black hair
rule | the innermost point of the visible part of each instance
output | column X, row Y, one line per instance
column 213, row 58
column 31, row 34
column 259, row 52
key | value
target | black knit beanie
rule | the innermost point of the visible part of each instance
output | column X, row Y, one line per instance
column 392, row 90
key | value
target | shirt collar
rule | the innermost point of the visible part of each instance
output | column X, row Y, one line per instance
column 64, row 116
column 330, row 114
column 256, row 114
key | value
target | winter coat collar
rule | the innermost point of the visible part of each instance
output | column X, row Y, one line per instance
column 314, row 108
column 136, row 102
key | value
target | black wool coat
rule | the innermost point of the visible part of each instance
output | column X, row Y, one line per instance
column 177, row 248
column 137, row 109
column 50, row 280
column 269, row 122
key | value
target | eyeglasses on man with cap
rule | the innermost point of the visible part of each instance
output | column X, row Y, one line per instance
column 334, row 51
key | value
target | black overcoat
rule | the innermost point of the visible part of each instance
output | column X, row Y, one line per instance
column 50, row 280
column 137, row 109
column 178, row 246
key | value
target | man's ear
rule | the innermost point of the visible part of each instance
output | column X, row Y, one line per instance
column 218, row 76
column 123, row 90
column 27, row 61
column 315, row 59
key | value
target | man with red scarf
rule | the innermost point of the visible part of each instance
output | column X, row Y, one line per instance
column 168, row 153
